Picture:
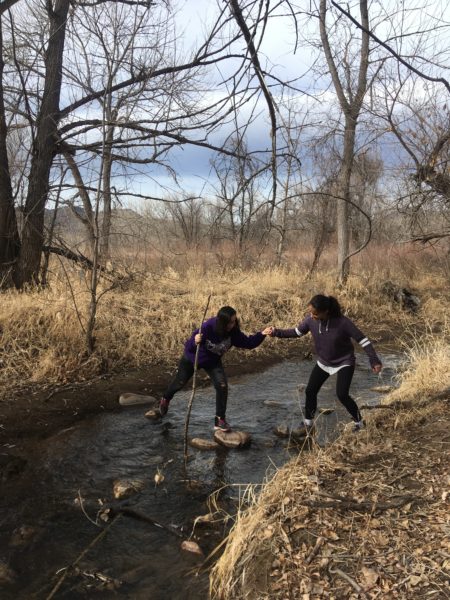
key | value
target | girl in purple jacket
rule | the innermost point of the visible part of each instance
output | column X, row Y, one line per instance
column 332, row 333
column 217, row 336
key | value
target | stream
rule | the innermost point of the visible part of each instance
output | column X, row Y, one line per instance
column 85, row 460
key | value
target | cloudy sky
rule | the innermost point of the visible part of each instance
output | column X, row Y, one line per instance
column 192, row 164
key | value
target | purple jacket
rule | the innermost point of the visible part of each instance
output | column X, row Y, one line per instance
column 213, row 346
column 333, row 340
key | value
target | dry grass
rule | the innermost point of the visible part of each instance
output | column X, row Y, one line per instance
column 147, row 320
column 365, row 518
column 426, row 370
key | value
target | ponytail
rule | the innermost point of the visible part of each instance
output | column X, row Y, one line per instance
column 326, row 303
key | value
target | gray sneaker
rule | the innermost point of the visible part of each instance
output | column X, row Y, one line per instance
column 358, row 426
column 303, row 430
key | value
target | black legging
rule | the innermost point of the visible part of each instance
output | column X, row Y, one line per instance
column 344, row 379
column 217, row 375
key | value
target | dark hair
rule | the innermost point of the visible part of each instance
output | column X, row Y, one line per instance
column 223, row 318
column 326, row 303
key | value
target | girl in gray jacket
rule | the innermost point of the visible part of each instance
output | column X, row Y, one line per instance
column 332, row 333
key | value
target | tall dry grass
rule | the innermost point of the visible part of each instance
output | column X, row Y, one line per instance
column 426, row 369
column 146, row 320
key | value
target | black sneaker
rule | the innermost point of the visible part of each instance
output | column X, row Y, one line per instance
column 221, row 425
column 163, row 406
column 303, row 430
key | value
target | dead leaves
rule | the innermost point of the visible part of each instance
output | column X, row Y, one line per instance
column 371, row 522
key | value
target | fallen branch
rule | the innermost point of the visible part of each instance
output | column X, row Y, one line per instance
column 136, row 514
column 349, row 580
column 85, row 551
column 351, row 504
column 320, row 540
column 376, row 406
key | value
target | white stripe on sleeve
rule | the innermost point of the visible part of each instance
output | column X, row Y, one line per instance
column 364, row 342
column 298, row 332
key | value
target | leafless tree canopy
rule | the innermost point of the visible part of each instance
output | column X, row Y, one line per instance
column 99, row 100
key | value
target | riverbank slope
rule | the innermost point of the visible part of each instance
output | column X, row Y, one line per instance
column 367, row 517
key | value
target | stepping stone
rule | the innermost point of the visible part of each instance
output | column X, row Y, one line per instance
column 190, row 546
column 202, row 444
column 281, row 431
column 24, row 535
column 153, row 414
column 130, row 399
column 123, row 488
column 233, row 439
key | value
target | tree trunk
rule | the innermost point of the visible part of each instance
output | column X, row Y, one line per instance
column 322, row 236
column 107, row 200
column 350, row 101
column 343, row 206
column 9, row 236
column 44, row 149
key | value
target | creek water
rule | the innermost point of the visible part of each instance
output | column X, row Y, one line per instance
column 86, row 459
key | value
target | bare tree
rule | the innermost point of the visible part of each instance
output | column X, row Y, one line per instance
column 44, row 147
column 9, row 235
column 289, row 174
column 188, row 219
column 178, row 120
column 238, row 195
column 349, row 77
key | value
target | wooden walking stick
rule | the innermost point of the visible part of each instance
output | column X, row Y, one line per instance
column 194, row 382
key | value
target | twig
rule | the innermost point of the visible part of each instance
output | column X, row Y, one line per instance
column 350, row 504
column 80, row 499
column 85, row 551
column 194, row 385
column 376, row 406
column 349, row 580
column 131, row 512
column 320, row 540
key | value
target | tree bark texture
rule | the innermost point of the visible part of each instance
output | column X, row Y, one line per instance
column 44, row 148
column 9, row 235
column 350, row 100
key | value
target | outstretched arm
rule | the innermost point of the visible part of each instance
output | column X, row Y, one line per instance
column 301, row 329
column 240, row 340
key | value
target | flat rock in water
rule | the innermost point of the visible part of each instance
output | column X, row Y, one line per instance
column 233, row 439
column 130, row 399
column 24, row 535
column 153, row 414
column 123, row 488
column 202, row 444
column 189, row 546
column 382, row 389
column 281, row 431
